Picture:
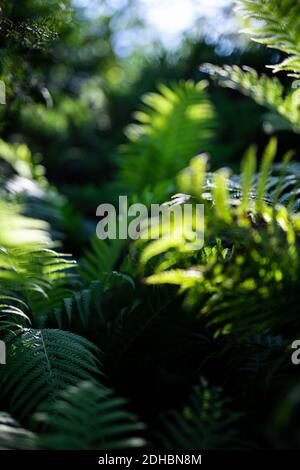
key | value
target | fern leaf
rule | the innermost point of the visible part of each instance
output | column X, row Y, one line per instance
column 278, row 25
column 42, row 362
column 204, row 424
column 89, row 417
column 268, row 92
column 176, row 124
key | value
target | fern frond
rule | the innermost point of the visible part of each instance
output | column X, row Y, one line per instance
column 242, row 276
column 266, row 91
column 100, row 260
column 276, row 24
column 204, row 424
column 82, row 304
column 174, row 126
column 40, row 363
column 18, row 231
column 41, row 277
column 89, row 417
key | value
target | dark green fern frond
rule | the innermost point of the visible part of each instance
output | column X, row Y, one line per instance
column 263, row 355
column 80, row 305
column 40, row 363
column 89, row 417
column 205, row 423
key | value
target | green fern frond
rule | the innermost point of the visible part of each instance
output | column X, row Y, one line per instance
column 243, row 276
column 204, row 424
column 267, row 92
column 89, row 417
column 40, row 363
column 41, row 277
column 175, row 125
column 18, row 231
column 263, row 354
column 276, row 24
column 100, row 260
column 82, row 305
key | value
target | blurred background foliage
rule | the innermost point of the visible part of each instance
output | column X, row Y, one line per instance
column 75, row 74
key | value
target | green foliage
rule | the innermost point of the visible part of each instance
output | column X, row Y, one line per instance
column 100, row 261
column 277, row 26
column 174, row 126
column 40, row 363
column 204, row 424
column 89, row 417
column 269, row 92
column 143, row 320
column 218, row 279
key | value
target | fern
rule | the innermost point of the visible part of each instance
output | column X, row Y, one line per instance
column 277, row 25
column 204, row 424
column 100, row 260
column 82, row 304
column 39, row 277
column 89, row 417
column 175, row 125
column 268, row 92
column 263, row 355
column 18, row 231
column 245, row 276
column 42, row 362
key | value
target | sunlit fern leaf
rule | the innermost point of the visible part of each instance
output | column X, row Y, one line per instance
column 273, row 183
column 175, row 125
column 41, row 277
column 248, row 278
column 14, row 312
column 266, row 91
column 276, row 24
column 205, row 423
column 89, row 417
column 19, row 231
column 13, row 436
column 40, row 363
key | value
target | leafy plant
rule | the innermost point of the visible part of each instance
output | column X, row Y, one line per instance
column 174, row 125
column 88, row 416
column 284, row 108
column 205, row 422
column 276, row 26
column 42, row 362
